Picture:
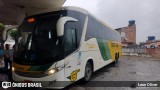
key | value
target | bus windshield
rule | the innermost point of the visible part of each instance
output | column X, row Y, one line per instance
column 38, row 43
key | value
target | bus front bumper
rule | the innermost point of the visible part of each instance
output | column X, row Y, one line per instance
column 50, row 81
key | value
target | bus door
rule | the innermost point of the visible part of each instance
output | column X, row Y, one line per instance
column 70, row 51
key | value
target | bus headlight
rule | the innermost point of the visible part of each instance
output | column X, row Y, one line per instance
column 13, row 69
column 54, row 70
column 51, row 71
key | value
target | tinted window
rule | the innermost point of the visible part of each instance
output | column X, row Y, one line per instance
column 41, row 41
column 91, row 29
column 79, row 24
column 97, row 30
column 70, row 39
column 28, row 26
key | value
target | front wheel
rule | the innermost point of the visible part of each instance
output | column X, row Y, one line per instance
column 88, row 72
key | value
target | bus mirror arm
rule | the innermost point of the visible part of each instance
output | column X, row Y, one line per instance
column 61, row 22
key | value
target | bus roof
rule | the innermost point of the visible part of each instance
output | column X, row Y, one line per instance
column 87, row 13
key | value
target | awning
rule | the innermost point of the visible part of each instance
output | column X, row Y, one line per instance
column 13, row 11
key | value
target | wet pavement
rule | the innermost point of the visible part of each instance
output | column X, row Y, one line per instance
column 130, row 68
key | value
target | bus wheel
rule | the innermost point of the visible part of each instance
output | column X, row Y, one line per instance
column 116, row 59
column 88, row 72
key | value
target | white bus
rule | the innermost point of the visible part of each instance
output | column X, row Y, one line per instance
column 64, row 45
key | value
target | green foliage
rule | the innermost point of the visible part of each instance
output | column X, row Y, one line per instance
column 1, row 26
column 13, row 33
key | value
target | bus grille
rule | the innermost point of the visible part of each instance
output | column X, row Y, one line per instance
column 31, row 74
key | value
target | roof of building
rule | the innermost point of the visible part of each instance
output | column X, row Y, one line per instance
column 11, row 10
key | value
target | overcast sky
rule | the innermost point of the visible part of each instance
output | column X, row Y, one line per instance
column 117, row 13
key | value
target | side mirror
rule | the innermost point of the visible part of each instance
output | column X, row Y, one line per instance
column 61, row 22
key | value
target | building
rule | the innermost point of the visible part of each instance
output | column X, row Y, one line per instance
column 155, row 44
column 128, row 34
column 150, row 43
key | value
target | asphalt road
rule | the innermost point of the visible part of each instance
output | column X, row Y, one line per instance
column 130, row 68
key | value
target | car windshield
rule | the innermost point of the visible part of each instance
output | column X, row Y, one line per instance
column 38, row 42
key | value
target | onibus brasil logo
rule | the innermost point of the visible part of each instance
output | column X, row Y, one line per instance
column 6, row 85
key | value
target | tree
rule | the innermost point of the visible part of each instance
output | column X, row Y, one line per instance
column 1, row 26
column 13, row 33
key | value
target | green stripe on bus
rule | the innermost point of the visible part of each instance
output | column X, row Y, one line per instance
column 39, row 68
column 104, row 49
column 33, row 68
column 44, row 67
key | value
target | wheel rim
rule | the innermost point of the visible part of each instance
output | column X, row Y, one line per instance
column 88, row 72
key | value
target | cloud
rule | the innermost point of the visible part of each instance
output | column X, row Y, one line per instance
column 117, row 13
column 145, row 12
column 89, row 5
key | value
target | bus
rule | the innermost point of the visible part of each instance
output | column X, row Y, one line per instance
column 64, row 45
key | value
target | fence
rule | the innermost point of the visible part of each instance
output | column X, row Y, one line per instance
column 134, row 51
column 154, row 52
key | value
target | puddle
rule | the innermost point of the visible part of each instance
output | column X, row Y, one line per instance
column 131, row 65
column 132, row 72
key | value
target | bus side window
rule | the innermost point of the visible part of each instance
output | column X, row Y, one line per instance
column 70, row 39
column 92, row 29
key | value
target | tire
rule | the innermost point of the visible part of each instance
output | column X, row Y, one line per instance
column 88, row 72
column 116, row 59
column 118, row 55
